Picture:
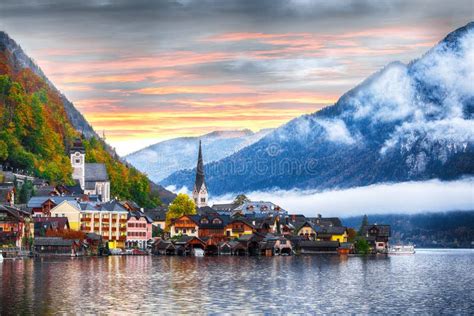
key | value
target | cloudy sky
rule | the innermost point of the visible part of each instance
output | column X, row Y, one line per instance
column 144, row 71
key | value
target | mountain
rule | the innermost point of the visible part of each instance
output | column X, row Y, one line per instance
column 19, row 60
column 406, row 122
column 162, row 159
column 426, row 230
column 38, row 125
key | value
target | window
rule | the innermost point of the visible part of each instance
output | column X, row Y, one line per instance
column 184, row 230
column 193, row 231
column 203, row 199
column 204, row 221
column 78, row 161
column 216, row 221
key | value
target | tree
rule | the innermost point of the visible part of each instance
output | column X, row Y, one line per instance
column 351, row 234
column 181, row 205
column 241, row 199
column 365, row 222
column 362, row 247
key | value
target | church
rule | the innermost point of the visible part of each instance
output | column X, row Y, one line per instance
column 92, row 177
column 200, row 194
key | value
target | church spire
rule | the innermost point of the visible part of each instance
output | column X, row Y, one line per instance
column 200, row 190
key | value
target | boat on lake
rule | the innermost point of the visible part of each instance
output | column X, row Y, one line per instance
column 401, row 250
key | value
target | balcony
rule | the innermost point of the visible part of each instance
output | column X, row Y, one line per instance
column 85, row 219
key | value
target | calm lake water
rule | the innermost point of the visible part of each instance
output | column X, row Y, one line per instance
column 431, row 281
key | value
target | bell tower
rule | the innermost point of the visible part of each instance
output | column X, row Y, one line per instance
column 78, row 160
column 200, row 194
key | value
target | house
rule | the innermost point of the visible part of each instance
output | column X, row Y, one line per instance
column 185, row 245
column 92, row 177
column 377, row 235
column 338, row 233
column 251, row 243
column 47, row 190
column 108, row 220
column 163, row 247
column 238, row 227
column 71, row 210
column 14, row 225
column 158, row 216
column 139, row 230
column 42, row 205
column 314, row 247
column 307, row 230
column 7, row 194
column 185, row 225
column 43, row 225
column 57, row 246
column 213, row 226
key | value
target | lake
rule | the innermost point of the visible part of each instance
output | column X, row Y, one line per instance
column 431, row 281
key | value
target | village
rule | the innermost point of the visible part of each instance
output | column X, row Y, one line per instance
column 84, row 220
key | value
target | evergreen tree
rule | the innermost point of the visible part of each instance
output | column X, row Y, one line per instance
column 365, row 222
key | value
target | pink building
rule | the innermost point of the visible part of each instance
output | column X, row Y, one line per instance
column 139, row 230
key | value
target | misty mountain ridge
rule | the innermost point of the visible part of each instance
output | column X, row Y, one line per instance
column 166, row 157
column 403, row 123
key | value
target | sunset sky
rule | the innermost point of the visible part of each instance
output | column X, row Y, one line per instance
column 144, row 71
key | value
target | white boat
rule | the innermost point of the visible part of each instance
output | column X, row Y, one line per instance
column 401, row 250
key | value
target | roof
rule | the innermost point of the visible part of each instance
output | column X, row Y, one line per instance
column 158, row 214
column 95, row 172
column 37, row 201
column 227, row 207
column 138, row 215
column 382, row 230
column 259, row 207
column 15, row 212
column 225, row 219
column 113, row 206
column 54, row 222
column 199, row 182
column 206, row 210
column 46, row 191
column 52, row 241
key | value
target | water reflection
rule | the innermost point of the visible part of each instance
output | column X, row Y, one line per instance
column 430, row 281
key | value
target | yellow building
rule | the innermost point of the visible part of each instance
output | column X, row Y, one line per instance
column 237, row 228
column 108, row 220
column 71, row 210
column 339, row 234
column 307, row 230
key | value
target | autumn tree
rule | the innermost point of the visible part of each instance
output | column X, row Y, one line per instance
column 181, row 205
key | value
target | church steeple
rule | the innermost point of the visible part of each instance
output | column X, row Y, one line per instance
column 200, row 194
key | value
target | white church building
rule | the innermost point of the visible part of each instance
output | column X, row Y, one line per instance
column 92, row 177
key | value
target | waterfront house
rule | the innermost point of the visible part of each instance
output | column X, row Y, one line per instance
column 163, row 247
column 139, row 230
column 213, row 226
column 44, row 225
column 108, row 220
column 251, row 243
column 377, row 235
column 57, row 246
column 185, row 225
column 14, row 225
column 238, row 227
column 71, row 210
column 186, row 245
column 307, row 230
